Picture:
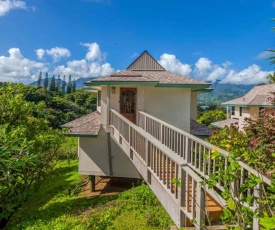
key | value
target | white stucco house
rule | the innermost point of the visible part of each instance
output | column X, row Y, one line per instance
column 248, row 106
column 144, row 86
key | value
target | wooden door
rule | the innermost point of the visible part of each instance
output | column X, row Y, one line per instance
column 128, row 103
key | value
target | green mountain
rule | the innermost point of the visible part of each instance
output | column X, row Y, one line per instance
column 222, row 93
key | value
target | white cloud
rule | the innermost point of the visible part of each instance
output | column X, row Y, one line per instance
column 217, row 73
column 7, row 5
column 91, row 66
column 56, row 53
column 171, row 63
column 206, row 71
column 17, row 68
column 203, row 64
column 40, row 53
column 251, row 75
column 94, row 53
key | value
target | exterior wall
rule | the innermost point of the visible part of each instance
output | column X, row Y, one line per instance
column 245, row 114
column 193, row 106
column 93, row 158
column 172, row 105
column 93, row 155
column 254, row 112
column 98, row 107
column 104, row 107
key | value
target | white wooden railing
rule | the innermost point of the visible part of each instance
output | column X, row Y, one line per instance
column 197, row 154
column 163, row 153
column 159, row 166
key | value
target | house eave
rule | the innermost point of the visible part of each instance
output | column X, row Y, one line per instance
column 99, row 83
column 244, row 106
column 81, row 135
column 191, row 86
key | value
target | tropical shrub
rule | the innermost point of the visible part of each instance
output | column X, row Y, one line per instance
column 28, row 148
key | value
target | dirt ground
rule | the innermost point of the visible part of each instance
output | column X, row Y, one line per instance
column 108, row 186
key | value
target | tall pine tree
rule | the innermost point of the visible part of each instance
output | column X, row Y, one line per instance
column 74, row 86
column 39, row 79
column 52, row 84
column 69, row 86
column 64, row 85
column 58, row 84
column 46, row 81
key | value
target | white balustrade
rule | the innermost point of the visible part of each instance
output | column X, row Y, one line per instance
column 199, row 156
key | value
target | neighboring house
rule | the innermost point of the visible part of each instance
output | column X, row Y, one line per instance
column 248, row 106
column 144, row 86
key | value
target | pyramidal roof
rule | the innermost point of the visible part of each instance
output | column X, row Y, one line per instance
column 145, row 62
column 145, row 70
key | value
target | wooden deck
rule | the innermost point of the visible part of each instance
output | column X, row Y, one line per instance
column 163, row 154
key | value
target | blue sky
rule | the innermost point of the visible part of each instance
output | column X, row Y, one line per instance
column 206, row 40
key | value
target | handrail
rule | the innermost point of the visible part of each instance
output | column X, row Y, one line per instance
column 209, row 145
column 163, row 147
column 225, row 153
column 153, row 140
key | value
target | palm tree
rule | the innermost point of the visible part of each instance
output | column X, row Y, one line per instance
column 271, row 78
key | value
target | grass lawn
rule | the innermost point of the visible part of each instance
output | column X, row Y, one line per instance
column 51, row 207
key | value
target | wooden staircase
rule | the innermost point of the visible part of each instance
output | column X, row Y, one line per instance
column 163, row 154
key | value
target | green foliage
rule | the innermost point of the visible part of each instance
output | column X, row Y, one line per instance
column 28, row 148
column 209, row 116
column 57, row 108
column 52, row 208
column 271, row 78
column 255, row 147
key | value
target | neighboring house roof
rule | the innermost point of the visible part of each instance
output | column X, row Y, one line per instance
column 258, row 96
column 223, row 123
column 198, row 129
column 145, row 70
column 88, row 125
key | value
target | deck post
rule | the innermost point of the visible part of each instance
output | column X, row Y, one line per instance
column 92, row 183
column 257, row 193
column 200, row 206
column 187, row 154
column 182, row 191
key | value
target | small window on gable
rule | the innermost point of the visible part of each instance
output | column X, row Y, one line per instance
column 99, row 98
column 233, row 110
column 241, row 111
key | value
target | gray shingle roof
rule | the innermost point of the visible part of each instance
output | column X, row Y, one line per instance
column 87, row 125
column 198, row 129
column 146, row 69
column 259, row 95
column 223, row 123
column 162, row 77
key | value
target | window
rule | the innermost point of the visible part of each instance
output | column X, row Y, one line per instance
column 233, row 110
column 241, row 111
column 99, row 98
